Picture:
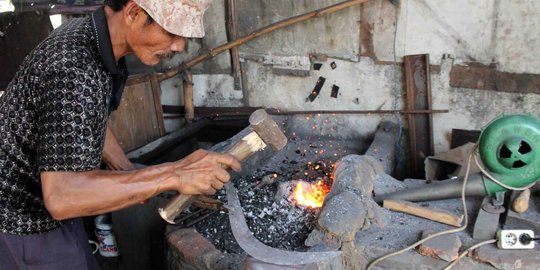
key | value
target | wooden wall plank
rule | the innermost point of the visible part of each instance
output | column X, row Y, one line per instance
column 139, row 119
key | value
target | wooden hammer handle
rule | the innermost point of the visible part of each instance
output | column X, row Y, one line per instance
column 241, row 150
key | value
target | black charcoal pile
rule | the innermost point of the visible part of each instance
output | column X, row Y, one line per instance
column 271, row 214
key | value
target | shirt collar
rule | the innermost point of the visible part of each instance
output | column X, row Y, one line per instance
column 103, row 39
column 119, row 72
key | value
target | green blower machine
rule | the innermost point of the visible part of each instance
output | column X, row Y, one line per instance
column 509, row 148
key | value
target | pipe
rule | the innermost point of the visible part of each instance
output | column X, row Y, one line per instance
column 439, row 190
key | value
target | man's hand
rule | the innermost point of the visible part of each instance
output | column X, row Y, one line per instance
column 203, row 172
column 75, row 194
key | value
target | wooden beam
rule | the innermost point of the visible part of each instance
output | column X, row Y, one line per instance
column 483, row 77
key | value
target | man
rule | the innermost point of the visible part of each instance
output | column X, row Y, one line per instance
column 53, row 132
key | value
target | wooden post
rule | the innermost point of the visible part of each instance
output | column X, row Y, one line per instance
column 156, row 91
column 189, row 108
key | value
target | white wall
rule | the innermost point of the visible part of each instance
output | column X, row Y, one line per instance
column 497, row 32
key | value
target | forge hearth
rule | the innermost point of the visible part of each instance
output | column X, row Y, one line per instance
column 274, row 217
column 349, row 221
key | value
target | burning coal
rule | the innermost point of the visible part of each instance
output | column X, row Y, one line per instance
column 312, row 195
column 309, row 195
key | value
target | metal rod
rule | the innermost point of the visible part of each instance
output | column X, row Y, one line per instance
column 188, row 216
column 199, row 219
column 278, row 112
column 360, row 112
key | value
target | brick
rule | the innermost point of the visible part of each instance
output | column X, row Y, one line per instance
column 444, row 247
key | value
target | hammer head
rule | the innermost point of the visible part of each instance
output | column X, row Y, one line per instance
column 267, row 129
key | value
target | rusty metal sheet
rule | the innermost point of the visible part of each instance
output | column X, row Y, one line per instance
column 418, row 97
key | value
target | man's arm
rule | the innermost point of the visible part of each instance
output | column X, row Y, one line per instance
column 113, row 154
column 75, row 194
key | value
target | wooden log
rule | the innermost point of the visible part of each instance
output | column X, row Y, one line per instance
column 423, row 212
column 521, row 203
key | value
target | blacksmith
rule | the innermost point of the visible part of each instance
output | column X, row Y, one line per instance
column 54, row 134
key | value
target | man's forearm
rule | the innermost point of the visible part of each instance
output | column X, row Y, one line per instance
column 74, row 194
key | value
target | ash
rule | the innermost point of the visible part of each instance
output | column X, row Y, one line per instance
column 270, row 214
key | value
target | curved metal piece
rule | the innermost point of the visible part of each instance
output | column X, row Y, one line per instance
column 259, row 250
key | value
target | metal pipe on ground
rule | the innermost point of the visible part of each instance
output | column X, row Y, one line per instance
column 439, row 190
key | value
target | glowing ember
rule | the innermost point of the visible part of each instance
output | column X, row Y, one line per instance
column 310, row 195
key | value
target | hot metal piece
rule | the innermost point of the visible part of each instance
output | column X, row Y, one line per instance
column 257, row 249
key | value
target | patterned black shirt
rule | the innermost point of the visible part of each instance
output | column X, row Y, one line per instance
column 53, row 117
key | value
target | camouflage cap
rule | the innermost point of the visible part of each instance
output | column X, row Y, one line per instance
column 180, row 17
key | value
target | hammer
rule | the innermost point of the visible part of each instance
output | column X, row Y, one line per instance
column 264, row 131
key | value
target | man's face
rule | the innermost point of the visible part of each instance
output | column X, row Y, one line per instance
column 151, row 43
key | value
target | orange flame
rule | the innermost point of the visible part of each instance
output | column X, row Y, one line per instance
column 310, row 195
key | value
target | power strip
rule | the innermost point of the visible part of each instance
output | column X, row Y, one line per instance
column 515, row 239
